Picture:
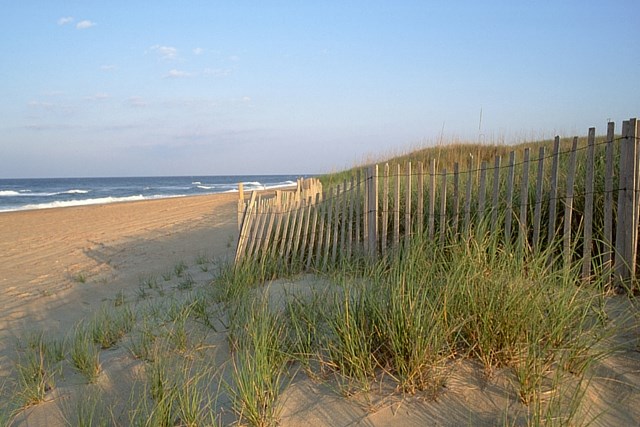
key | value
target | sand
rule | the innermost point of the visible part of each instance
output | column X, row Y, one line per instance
column 58, row 266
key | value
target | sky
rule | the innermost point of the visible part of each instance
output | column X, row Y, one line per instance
column 142, row 88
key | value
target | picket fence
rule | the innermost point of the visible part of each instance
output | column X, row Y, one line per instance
column 380, row 209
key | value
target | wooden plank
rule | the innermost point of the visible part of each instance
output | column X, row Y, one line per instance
column 508, row 216
column 385, row 210
column 420, row 203
column 407, row 205
column 482, row 192
column 320, row 235
column 350, row 219
column 365, row 211
column 246, row 223
column 634, row 135
column 336, row 225
column 257, row 237
column 277, row 236
column 537, row 214
column 301, row 207
column 443, row 207
column 568, row 203
column 290, row 231
column 308, row 201
column 328, row 229
column 608, row 205
column 286, row 222
column 264, row 250
column 373, row 213
column 467, row 198
column 343, row 220
column 587, row 244
column 524, row 199
column 396, row 209
column 456, row 200
column 241, row 204
column 313, row 230
column 432, row 197
column 496, row 193
column 553, row 194
column 358, row 208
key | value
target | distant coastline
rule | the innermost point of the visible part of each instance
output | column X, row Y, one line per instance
column 46, row 193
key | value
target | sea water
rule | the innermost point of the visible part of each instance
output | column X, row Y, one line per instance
column 42, row 193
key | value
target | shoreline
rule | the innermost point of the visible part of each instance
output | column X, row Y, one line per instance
column 59, row 264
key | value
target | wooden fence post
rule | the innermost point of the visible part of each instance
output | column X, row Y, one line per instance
column 396, row 208
column 509, row 211
column 553, row 195
column 626, row 231
column 524, row 199
column 588, row 207
column 241, row 206
column 608, row 205
column 537, row 214
column 407, row 206
column 432, row 197
column 372, row 212
column 467, row 199
column 246, row 223
column 385, row 210
column 568, row 203
column 443, row 207
column 496, row 194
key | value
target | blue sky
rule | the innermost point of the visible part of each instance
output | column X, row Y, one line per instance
column 95, row 88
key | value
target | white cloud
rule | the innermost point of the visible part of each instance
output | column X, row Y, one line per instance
column 83, row 25
column 246, row 99
column 176, row 74
column 98, row 96
column 198, row 51
column 166, row 52
column 137, row 101
column 216, row 72
column 234, row 58
column 65, row 20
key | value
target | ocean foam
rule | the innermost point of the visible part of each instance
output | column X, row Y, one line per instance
column 9, row 193
column 97, row 201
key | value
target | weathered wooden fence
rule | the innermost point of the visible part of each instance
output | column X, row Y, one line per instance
column 583, row 198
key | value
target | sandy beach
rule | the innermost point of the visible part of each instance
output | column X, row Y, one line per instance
column 59, row 266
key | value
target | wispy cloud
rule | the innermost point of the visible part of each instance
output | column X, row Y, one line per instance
column 65, row 20
column 137, row 101
column 216, row 72
column 198, row 51
column 108, row 67
column 83, row 25
column 177, row 74
column 165, row 52
column 100, row 96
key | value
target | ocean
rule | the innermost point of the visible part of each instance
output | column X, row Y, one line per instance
column 42, row 193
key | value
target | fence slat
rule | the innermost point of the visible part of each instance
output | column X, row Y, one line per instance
column 509, row 211
column 385, row 210
column 467, row 198
column 312, row 230
column 553, row 195
column 524, row 198
column 588, row 206
column 432, row 197
column 443, row 207
column 396, row 209
column 373, row 212
column 456, row 199
column 246, row 223
column 420, row 202
column 568, row 203
column 482, row 192
column 496, row 193
column 327, row 237
column 343, row 220
column 336, row 225
column 608, row 205
column 320, row 236
column 350, row 220
column 537, row 214
column 407, row 205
